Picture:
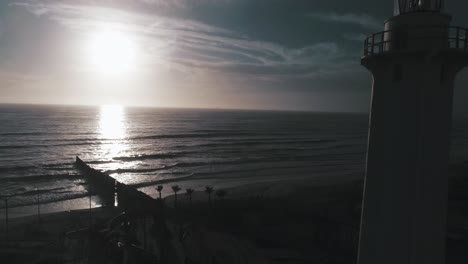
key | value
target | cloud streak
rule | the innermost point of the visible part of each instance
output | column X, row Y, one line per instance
column 186, row 44
column 364, row 20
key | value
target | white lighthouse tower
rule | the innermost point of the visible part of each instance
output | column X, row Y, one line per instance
column 414, row 62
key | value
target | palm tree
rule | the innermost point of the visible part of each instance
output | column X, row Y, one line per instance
column 189, row 192
column 159, row 189
column 176, row 189
column 221, row 193
column 209, row 190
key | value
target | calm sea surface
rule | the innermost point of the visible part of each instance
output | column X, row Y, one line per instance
column 145, row 146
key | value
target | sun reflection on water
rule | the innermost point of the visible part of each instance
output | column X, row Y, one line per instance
column 112, row 122
column 112, row 131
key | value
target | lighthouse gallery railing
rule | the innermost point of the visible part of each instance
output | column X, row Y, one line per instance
column 384, row 41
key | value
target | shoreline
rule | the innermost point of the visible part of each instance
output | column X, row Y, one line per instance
column 248, row 203
column 319, row 216
column 61, row 206
column 264, row 186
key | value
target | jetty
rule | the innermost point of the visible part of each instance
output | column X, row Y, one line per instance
column 115, row 193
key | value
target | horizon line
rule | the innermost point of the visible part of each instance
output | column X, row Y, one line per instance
column 184, row 108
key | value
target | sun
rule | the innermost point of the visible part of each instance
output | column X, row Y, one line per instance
column 112, row 51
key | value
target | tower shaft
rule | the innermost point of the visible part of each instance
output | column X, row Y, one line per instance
column 414, row 64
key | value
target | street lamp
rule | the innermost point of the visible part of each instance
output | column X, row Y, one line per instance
column 5, row 199
column 90, row 195
column 38, row 208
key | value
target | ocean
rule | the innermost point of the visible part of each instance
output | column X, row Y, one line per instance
column 147, row 146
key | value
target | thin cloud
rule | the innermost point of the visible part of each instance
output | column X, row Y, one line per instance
column 360, row 37
column 363, row 20
column 188, row 45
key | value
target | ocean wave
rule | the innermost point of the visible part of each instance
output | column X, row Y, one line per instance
column 57, row 166
column 134, row 170
column 37, row 133
column 41, row 145
column 160, row 136
column 39, row 191
column 63, row 197
column 195, row 135
column 99, row 161
column 235, row 174
column 162, row 181
column 216, row 163
column 50, row 166
column 60, row 168
column 17, row 146
column 257, row 142
column 17, row 168
column 223, row 139
column 245, row 173
column 24, row 133
column 152, row 156
column 285, row 157
column 44, row 177
column 190, row 164
column 199, row 164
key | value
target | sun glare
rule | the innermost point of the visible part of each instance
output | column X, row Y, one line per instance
column 112, row 51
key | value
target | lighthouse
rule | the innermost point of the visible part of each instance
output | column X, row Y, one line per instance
column 414, row 62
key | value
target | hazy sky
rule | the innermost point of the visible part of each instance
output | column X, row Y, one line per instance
column 258, row 54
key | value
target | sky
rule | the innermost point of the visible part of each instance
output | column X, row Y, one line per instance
column 241, row 54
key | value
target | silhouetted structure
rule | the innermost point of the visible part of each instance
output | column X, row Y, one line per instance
column 414, row 63
column 128, row 198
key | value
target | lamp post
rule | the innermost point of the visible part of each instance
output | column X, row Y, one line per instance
column 90, row 194
column 90, row 226
column 5, row 199
column 38, row 208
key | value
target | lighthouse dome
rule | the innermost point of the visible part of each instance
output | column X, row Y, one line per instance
column 411, row 6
